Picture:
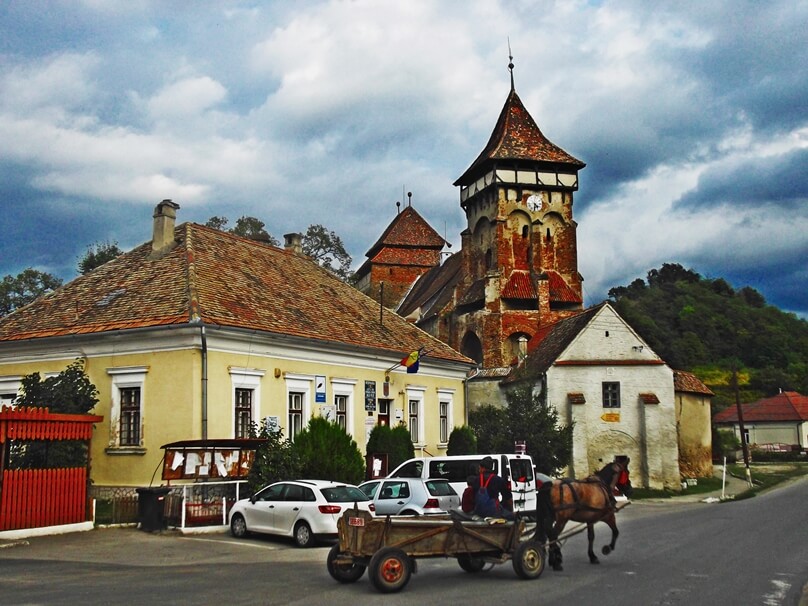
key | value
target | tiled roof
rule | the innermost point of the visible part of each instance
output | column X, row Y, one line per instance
column 785, row 406
column 474, row 293
column 220, row 279
column 434, row 289
column 550, row 342
column 560, row 291
column 408, row 229
column 649, row 398
column 689, row 383
column 516, row 136
column 408, row 232
column 519, row 286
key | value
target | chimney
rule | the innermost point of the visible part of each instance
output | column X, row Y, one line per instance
column 165, row 214
column 293, row 242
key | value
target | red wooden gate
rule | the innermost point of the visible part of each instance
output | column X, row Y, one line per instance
column 33, row 498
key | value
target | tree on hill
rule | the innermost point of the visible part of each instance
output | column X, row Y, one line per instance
column 29, row 284
column 708, row 327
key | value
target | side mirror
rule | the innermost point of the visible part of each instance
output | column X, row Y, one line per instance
column 252, row 499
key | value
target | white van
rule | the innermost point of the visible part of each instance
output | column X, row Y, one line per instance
column 517, row 469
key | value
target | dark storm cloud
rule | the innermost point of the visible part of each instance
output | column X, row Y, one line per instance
column 767, row 181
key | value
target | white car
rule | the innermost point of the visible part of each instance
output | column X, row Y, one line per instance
column 411, row 496
column 305, row 510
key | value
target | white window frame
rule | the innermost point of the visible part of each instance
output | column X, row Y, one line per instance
column 416, row 394
column 124, row 377
column 9, row 385
column 245, row 378
column 446, row 396
column 345, row 387
column 298, row 384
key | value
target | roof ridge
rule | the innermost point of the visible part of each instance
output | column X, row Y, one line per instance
column 194, row 307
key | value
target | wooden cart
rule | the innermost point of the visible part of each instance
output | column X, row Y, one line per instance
column 388, row 547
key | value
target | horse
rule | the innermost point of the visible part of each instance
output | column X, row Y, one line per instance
column 589, row 501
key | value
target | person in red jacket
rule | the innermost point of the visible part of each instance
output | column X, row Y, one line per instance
column 496, row 492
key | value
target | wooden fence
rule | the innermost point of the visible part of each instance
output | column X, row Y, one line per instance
column 33, row 498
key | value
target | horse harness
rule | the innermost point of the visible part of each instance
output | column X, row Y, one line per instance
column 576, row 504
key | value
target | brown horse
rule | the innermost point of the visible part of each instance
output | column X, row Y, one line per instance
column 589, row 501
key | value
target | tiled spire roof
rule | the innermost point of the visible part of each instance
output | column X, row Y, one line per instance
column 516, row 136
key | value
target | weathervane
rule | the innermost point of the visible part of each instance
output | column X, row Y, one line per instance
column 510, row 62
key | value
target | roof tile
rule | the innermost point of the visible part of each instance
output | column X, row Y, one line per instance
column 222, row 279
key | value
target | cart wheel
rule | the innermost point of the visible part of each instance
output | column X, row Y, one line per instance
column 470, row 563
column 344, row 573
column 528, row 560
column 390, row 569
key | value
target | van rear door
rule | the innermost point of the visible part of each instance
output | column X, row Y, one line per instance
column 519, row 470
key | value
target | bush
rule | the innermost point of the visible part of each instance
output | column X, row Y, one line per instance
column 274, row 460
column 462, row 441
column 395, row 443
column 326, row 451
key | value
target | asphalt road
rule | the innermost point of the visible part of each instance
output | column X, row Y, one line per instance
column 747, row 552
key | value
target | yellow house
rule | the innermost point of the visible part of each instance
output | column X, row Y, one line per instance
column 199, row 333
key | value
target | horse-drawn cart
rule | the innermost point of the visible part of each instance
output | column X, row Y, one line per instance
column 388, row 547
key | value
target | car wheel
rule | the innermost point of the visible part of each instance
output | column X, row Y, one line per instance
column 303, row 535
column 344, row 573
column 390, row 569
column 528, row 560
column 470, row 563
column 238, row 526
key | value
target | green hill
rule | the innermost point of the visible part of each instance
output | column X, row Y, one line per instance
column 707, row 327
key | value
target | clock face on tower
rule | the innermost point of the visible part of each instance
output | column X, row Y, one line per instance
column 534, row 202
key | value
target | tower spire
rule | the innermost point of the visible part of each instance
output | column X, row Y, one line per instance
column 510, row 63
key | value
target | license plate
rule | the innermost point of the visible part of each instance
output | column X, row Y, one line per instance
column 356, row 521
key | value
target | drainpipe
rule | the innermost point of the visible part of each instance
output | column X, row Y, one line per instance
column 466, row 395
column 204, row 382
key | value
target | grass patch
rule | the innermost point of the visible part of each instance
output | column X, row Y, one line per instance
column 764, row 476
column 767, row 475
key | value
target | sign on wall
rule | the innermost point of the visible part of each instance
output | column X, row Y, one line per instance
column 370, row 396
column 319, row 389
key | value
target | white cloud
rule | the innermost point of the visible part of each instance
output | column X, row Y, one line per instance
column 187, row 96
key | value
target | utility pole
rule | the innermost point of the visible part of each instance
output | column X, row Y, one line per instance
column 744, row 445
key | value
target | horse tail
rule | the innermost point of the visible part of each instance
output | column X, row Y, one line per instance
column 545, row 514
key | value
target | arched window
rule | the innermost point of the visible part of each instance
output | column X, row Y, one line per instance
column 472, row 347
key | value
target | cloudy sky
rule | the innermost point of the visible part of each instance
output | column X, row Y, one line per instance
column 692, row 118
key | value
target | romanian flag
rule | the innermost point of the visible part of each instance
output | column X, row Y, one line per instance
column 411, row 361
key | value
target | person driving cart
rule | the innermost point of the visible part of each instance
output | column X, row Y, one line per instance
column 492, row 496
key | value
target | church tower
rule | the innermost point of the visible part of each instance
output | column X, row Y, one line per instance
column 519, row 249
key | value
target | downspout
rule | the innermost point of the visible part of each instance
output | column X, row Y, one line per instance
column 466, row 395
column 204, row 382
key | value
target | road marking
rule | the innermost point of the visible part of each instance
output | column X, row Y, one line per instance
column 775, row 598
